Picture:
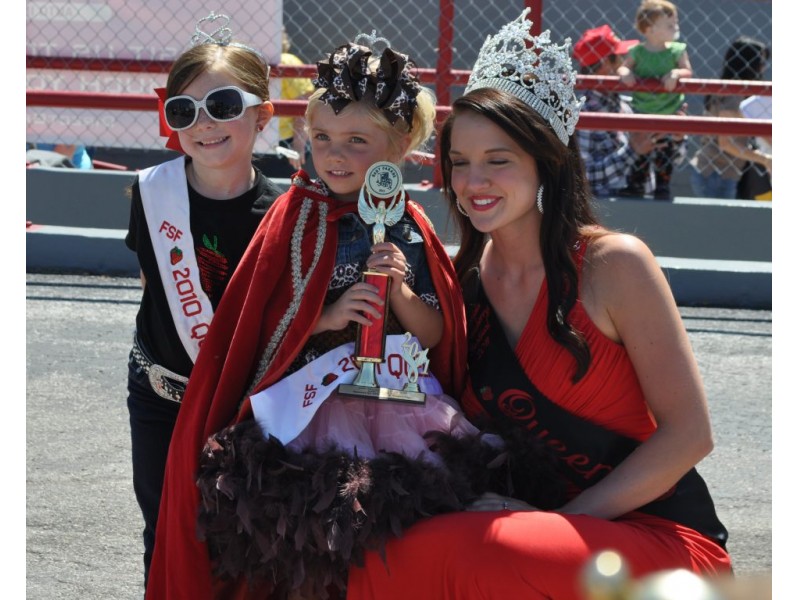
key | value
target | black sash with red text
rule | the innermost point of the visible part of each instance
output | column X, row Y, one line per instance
column 587, row 452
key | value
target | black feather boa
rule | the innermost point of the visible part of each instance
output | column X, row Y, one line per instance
column 296, row 521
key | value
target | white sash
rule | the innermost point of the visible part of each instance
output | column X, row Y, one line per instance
column 165, row 198
column 284, row 409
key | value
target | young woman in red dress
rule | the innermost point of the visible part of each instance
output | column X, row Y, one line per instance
column 574, row 339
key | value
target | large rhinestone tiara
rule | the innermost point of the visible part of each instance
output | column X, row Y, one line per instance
column 534, row 70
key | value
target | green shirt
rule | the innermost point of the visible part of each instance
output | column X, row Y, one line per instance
column 654, row 65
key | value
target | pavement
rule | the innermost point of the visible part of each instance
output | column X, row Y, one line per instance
column 83, row 526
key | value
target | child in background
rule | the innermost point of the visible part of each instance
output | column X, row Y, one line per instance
column 292, row 130
column 191, row 220
column 659, row 56
column 77, row 154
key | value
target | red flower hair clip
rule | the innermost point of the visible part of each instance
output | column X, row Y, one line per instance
column 173, row 142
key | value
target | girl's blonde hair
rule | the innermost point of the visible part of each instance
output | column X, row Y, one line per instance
column 422, row 123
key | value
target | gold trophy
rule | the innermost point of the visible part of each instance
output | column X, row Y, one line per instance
column 381, row 203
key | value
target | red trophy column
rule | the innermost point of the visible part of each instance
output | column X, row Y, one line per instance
column 371, row 341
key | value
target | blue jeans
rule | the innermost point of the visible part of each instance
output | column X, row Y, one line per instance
column 152, row 421
column 712, row 186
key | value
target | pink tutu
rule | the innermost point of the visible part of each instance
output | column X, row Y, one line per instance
column 304, row 513
column 366, row 427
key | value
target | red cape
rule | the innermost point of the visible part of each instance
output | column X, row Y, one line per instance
column 253, row 307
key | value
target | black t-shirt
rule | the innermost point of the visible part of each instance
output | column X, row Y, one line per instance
column 221, row 231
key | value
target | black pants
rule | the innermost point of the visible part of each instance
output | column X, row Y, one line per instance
column 661, row 159
column 152, row 421
column 275, row 166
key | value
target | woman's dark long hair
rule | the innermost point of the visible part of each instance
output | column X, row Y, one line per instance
column 567, row 216
column 744, row 61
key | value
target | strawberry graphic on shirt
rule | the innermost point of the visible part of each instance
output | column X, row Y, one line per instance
column 213, row 268
column 175, row 255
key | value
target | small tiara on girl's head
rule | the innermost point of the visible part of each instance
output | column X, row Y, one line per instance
column 214, row 29
column 372, row 41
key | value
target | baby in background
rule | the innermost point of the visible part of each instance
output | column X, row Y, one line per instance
column 659, row 56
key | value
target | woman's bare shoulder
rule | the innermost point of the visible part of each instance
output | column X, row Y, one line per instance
column 612, row 252
column 619, row 274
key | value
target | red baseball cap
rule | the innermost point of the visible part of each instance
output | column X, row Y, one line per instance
column 595, row 44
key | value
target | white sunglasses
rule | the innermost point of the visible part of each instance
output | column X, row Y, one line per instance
column 221, row 104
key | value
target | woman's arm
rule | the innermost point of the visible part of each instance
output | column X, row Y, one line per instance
column 628, row 297
column 729, row 145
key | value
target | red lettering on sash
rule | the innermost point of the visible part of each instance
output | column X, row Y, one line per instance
column 596, row 469
column 189, row 303
column 310, row 394
column 180, row 273
column 580, row 463
column 199, row 332
column 170, row 231
column 397, row 366
column 348, row 363
column 576, row 460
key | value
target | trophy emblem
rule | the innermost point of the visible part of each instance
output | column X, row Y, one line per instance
column 418, row 362
column 383, row 180
column 381, row 203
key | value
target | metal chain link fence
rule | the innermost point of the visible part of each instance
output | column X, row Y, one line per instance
column 140, row 30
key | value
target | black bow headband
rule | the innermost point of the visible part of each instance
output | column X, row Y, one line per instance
column 348, row 76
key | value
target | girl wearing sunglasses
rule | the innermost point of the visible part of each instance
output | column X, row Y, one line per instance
column 191, row 220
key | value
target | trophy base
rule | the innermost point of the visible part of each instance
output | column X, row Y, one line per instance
column 382, row 393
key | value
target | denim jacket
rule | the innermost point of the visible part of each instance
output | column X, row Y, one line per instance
column 355, row 241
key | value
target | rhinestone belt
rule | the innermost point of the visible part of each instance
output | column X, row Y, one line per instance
column 165, row 383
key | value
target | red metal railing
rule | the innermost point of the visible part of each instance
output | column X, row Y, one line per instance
column 444, row 62
column 452, row 77
column 443, row 77
column 600, row 121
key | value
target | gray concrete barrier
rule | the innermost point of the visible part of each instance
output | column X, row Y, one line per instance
column 713, row 252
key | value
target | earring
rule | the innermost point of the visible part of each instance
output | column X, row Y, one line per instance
column 461, row 209
column 540, row 199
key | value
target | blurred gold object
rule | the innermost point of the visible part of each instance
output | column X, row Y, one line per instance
column 753, row 587
column 606, row 577
column 675, row 584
